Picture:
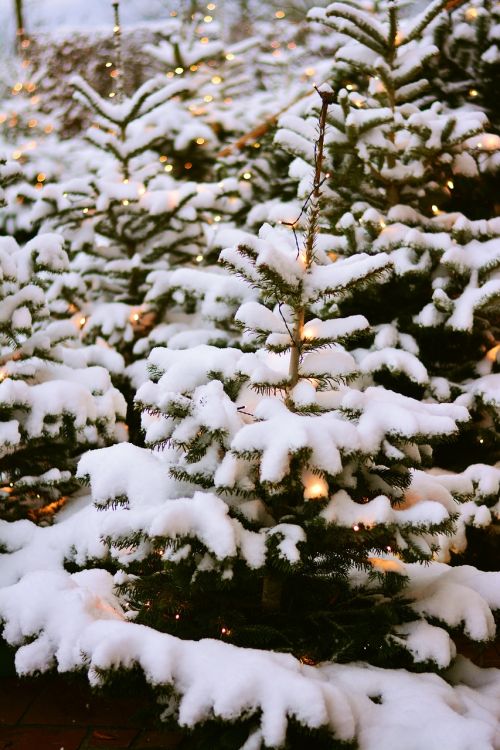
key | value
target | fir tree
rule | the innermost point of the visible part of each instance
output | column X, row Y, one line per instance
column 395, row 159
column 301, row 547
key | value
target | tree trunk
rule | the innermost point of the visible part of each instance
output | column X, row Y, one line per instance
column 20, row 31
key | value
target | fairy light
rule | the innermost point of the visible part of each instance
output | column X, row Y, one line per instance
column 435, row 209
column 177, row 616
column 247, row 176
column 208, row 19
column 471, row 13
column 41, row 177
column 309, row 332
column 125, row 202
column 179, row 71
column 490, row 141
column 200, row 141
column 309, row 72
column 491, row 354
column 188, row 165
column 85, row 210
column 204, row 40
column 199, row 258
column 163, row 158
column 473, row 93
column 109, row 64
column 216, row 80
column 82, row 321
column 314, row 487
column 168, row 168
column 208, row 98
column 355, row 527
column 230, row 56
column 280, row 14
column 450, row 184
column 217, row 219
column 193, row 68
column 211, row 6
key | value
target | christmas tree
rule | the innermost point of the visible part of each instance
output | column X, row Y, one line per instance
column 395, row 158
column 314, row 521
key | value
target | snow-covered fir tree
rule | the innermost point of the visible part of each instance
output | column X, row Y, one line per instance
column 394, row 156
column 57, row 400
column 314, row 520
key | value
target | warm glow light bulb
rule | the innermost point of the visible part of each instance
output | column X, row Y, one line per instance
column 315, row 487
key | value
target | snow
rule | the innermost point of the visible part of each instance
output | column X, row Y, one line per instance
column 212, row 678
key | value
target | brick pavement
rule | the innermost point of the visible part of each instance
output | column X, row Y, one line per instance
column 61, row 713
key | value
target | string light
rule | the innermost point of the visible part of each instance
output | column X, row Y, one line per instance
column 355, row 527
column 199, row 258
column 473, row 93
column 208, row 19
column 168, row 168
column 230, row 56
column 179, row 71
column 280, row 14
column 471, row 13
column 450, row 184
column 490, row 141
column 314, row 487
column 491, row 355
column 200, row 141
column 247, row 176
